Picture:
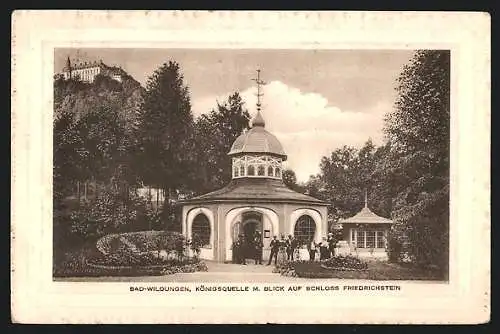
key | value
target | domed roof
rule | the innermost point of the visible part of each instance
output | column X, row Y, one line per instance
column 257, row 140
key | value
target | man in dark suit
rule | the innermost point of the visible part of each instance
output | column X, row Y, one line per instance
column 291, row 245
column 331, row 244
column 258, row 245
column 242, row 249
column 275, row 246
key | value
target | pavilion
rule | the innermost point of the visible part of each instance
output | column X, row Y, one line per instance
column 256, row 199
column 366, row 233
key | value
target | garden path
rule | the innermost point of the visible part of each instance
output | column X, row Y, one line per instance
column 238, row 268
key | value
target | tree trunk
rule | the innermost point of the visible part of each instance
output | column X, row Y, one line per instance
column 78, row 191
column 85, row 191
column 157, row 198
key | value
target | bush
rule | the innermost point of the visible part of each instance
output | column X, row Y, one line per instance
column 147, row 241
column 111, row 212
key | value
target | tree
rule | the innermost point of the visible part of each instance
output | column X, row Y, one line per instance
column 418, row 129
column 346, row 175
column 290, row 180
column 215, row 134
column 165, row 130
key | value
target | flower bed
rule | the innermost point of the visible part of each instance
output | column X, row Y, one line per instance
column 150, row 240
column 189, row 266
column 117, row 255
column 108, row 244
column 144, row 241
column 78, row 264
column 375, row 270
column 285, row 269
column 344, row 263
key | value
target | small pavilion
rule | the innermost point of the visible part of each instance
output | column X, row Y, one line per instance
column 366, row 233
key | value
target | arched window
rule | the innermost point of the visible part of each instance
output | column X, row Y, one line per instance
column 277, row 172
column 201, row 229
column 242, row 170
column 261, row 170
column 251, row 170
column 305, row 228
column 270, row 171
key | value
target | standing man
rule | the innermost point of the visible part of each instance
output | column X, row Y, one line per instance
column 236, row 251
column 331, row 245
column 242, row 249
column 275, row 246
column 291, row 245
column 288, row 248
column 311, row 247
column 258, row 245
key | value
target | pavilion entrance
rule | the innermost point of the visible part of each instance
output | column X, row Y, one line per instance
column 251, row 223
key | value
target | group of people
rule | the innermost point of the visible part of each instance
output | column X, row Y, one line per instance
column 326, row 248
column 287, row 246
column 244, row 248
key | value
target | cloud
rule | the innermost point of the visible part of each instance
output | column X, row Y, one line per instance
column 307, row 124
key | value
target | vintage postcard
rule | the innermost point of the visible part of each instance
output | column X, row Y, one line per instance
column 250, row 167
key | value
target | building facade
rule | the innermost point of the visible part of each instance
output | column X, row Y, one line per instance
column 256, row 199
column 87, row 71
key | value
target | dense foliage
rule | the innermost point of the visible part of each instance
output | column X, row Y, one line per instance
column 418, row 129
column 215, row 133
column 346, row 175
column 111, row 212
column 165, row 131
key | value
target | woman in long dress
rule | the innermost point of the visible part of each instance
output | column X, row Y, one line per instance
column 323, row 250
column 282, row 251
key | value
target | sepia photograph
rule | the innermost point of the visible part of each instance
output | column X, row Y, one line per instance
column 251, row 165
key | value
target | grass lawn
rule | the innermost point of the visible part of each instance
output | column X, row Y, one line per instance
column 377, row 270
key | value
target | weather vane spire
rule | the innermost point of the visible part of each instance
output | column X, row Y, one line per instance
column 366, row 198
column 259, row 93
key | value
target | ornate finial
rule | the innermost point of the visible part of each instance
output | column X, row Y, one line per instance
column 258, row 120
column 366, row 199
column 259, row 84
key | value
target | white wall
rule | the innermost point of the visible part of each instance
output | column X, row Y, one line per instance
column 270, row 222
column 206, row 253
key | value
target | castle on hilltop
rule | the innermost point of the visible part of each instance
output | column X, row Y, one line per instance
column 87, row 71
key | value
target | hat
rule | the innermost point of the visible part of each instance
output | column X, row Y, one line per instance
column 330, row 233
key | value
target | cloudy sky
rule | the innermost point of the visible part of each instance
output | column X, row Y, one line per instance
column 314, row 101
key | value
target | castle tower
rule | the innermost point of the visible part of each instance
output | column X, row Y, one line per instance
column 67, row 68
